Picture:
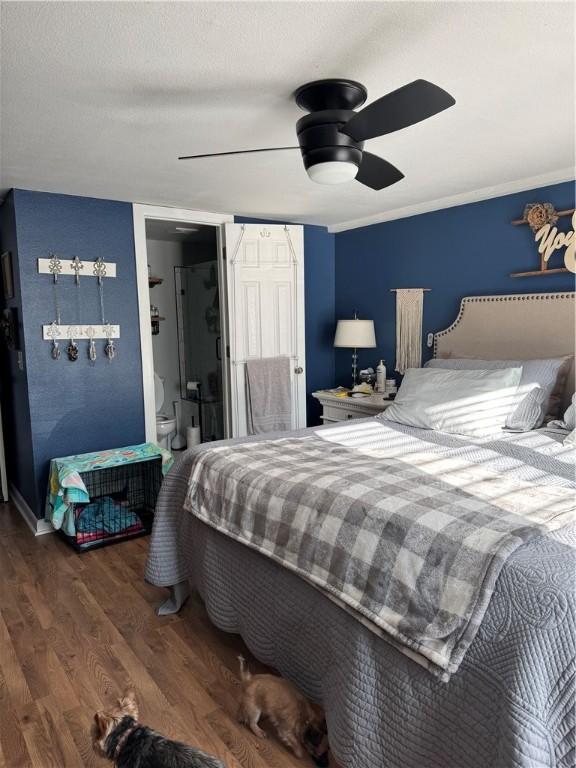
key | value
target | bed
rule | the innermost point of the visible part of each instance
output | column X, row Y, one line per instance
column 501, row 694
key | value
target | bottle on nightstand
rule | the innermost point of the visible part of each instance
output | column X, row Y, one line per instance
column 381, row 377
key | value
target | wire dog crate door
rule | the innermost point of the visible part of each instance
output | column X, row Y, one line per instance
column 121, row 506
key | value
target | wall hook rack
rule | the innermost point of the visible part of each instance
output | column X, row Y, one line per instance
column 98, row 268
column 53, row 331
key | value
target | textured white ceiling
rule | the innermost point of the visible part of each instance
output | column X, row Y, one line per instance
column 100, row 98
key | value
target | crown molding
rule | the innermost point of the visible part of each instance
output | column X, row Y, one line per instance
column 476, row 196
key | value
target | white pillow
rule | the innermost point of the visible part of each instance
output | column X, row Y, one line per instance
column 535, row 391
column 473, row 403
column 570, row 439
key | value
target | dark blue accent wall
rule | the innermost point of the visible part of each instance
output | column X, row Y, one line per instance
column 319, row 289
column 79, row 406
column 13, row 377
column 463, row 251
column 319, row 277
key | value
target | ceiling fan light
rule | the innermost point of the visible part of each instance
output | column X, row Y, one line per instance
column 332, row 172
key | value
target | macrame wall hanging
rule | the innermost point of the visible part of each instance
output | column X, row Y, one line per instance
column 56, row 330
column 409, row 306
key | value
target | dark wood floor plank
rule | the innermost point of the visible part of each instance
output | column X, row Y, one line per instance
column 14, row 750
column 49, row 741
column 14, row 679
column 79, row 722
column 39, row 604
column 54, row 720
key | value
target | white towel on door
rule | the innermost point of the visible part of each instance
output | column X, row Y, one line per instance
column 268, row 395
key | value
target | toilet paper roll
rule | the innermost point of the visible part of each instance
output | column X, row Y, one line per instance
column 192, row 436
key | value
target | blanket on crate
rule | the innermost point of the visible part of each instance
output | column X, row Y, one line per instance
column 66, row 487
column 410, row 546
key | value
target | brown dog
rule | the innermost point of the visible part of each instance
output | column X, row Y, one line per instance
column 298, row 722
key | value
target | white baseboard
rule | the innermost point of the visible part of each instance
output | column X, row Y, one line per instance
column 38, row 527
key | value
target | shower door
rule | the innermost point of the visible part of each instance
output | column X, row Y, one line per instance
column 200, row 348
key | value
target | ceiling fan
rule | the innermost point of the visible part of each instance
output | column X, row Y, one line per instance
column 331, row 138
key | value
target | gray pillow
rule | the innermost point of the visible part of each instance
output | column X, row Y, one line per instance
column 570, row 415
column 535, row 391
column 568, row 421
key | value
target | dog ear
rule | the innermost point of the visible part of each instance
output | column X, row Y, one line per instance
column 128, row 703
column 101, row 721
column 318, row 717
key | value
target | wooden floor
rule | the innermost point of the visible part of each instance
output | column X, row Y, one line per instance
column 75, row 630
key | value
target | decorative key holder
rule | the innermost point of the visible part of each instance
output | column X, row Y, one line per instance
column 56, row 331
column 76, row 267
column 55, row 268
column 72, row 350
column 91, row 345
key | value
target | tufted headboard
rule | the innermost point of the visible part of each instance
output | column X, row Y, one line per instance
column 520, row 326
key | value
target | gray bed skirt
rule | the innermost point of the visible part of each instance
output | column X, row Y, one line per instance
column 505, row 708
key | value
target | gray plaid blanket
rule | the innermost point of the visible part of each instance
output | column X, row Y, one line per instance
column 411, row 550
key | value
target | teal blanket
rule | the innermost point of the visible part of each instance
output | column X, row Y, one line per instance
column 66, row 487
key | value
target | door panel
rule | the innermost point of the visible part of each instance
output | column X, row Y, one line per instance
column 283, row 323
column 249, row 320
column 265, row 271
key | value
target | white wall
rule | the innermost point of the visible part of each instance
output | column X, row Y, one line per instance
column 163, row 256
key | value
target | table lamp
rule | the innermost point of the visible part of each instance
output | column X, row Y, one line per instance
column 355, row 334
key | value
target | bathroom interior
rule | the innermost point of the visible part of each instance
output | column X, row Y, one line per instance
column 185, row 321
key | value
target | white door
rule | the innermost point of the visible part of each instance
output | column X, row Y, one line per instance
column 265, row 276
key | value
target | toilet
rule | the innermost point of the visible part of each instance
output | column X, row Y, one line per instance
column 165, row 425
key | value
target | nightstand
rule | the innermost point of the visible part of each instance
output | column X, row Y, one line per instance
column 345, row 408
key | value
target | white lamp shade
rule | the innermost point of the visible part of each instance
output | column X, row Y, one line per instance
column 355, row 334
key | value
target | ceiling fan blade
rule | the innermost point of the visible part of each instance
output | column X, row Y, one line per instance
column 408, row 105
column 376, row 173
column 238, row 152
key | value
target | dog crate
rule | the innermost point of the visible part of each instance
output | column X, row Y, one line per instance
column 118, row 500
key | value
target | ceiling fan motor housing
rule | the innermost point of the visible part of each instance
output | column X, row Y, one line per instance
column 320, row 139
column 331, row 104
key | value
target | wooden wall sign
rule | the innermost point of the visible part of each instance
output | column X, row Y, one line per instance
column 542, row 218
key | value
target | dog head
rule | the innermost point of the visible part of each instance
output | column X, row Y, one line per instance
column 106, row 721
column 315, row 736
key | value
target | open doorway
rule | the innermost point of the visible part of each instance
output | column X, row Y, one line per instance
column 182, row 303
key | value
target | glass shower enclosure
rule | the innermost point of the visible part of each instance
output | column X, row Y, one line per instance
column 198, row 298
